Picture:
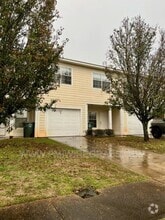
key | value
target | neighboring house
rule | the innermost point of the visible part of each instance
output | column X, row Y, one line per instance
column 81, row 103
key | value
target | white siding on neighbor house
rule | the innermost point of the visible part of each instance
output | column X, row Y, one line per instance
column 134, row 125
column 16, row 124
column 63, row 122
column 17, row 132
column 2, row 130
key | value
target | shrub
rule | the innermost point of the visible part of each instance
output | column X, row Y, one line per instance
column 109, row 132
column 100, row 132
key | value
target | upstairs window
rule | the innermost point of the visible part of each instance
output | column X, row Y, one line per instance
column 100, row 81
column 65, row 75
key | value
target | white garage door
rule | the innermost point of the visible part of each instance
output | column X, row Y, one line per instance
column 134, row 126
column 63, row 122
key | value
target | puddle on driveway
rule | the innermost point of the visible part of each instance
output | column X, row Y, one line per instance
column 144, row 162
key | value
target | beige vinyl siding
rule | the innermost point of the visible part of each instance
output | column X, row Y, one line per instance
column 81, row 91
column 76, row 96
column 40, row 130
column 81, row 95
column 116, row 121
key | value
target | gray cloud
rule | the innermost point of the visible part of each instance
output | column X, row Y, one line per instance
column 89, row 23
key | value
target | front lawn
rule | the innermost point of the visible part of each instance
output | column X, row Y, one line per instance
column 40, row 168
column 155, row 145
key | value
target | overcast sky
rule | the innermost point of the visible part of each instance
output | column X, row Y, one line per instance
column 89, row 23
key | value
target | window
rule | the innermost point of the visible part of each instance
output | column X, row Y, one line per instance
column 65, row 75
column 96, row 80
column 100, row 81
column 19, row 122
column 92, row 121
column 20, row 119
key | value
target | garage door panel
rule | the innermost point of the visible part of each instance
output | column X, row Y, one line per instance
column 134, row 126
column 63, row 122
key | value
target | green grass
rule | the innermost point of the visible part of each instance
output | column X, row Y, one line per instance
column 39, row 168
column 155, row 145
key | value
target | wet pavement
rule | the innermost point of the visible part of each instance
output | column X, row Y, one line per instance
column 136, row 201
column 140, row 161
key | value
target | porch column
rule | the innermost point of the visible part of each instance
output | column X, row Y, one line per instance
column 110, row 118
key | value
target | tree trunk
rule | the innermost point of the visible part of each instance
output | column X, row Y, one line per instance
column 145, row 130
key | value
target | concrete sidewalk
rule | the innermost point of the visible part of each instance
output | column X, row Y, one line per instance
column 136, row 201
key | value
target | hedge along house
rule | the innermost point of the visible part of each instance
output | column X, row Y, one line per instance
column 81, row 104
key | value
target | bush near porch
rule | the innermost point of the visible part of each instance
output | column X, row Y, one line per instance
column 100, row 132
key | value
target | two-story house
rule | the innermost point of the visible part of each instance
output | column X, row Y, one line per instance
column 81, row 103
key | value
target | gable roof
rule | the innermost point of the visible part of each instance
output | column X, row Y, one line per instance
column 88, row 65
column 83, row 64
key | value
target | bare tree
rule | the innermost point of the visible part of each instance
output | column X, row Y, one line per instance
column 137, row 54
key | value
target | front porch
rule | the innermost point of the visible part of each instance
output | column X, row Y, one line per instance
column 104, row 117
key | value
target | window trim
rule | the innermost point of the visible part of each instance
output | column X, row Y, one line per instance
column 20, row 118
column 19, row 122
column 71, row 72
column 103, row 79
column 96, row 117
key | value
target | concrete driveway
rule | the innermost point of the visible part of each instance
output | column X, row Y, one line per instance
column 140, row 161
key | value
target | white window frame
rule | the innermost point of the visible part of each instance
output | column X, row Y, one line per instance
column 96, row 117
column 61, row 74
column 20, row 118
column 98, row 77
